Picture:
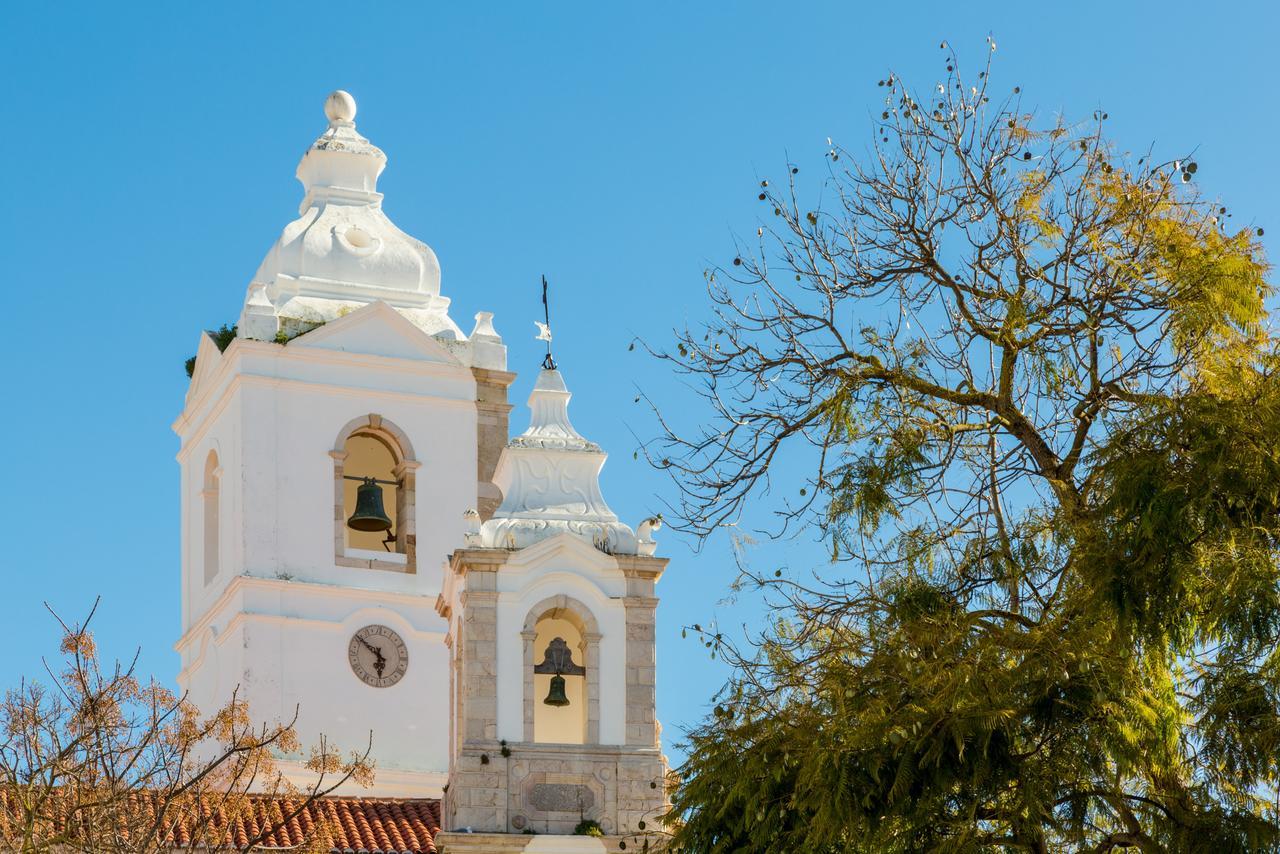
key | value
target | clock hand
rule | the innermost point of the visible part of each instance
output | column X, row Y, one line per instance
column 379, row 660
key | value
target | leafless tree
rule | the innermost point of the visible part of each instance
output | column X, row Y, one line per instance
column 95, row 759
column 983, row 365
column 972, row 303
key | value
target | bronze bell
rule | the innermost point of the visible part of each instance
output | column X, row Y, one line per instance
column 369, row 514
column 556, row 696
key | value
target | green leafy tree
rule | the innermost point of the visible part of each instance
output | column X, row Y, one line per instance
column 1030, row 391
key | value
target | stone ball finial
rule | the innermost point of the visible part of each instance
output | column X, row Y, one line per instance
column 340, row 107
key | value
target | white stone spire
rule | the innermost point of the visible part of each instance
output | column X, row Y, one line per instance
column 341, row 166
column 343, row 252
column 550, row 481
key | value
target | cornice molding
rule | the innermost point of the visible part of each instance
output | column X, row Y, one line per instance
column 243, row 582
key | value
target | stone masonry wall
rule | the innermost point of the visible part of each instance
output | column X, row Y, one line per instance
column 476, row 655
column 545, row 788
column 642, row 727
column 526, row 787
column 493, row 422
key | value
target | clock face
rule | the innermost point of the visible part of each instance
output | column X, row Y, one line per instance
column 378, row 656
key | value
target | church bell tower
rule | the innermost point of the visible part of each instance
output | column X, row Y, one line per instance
column 551, row 607
column 341, row 445
column 329, row 452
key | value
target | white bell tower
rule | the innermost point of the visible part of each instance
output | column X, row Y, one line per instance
column 348, row 393
column 551, row 607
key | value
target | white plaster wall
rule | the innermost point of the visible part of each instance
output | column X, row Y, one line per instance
column 564, row 566
column 291, row 422
column 221, row 435
column 281, row 611
column 202, row 654
column 292, row 660
column 283, row 644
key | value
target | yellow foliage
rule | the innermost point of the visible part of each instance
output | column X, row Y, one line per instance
column 108, row 762
column 1029, row 204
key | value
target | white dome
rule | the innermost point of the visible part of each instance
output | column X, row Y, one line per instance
column 550, row 481
column 343, row 251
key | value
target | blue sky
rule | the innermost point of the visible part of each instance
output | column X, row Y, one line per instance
column 149, row 151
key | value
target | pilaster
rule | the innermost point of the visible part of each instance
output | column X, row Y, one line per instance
column 477, row 656
column 493, row 423
column 641, row 671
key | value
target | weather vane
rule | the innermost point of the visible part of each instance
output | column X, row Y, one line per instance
column 544, row 328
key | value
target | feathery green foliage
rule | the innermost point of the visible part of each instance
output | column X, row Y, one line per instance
column 1040, row 401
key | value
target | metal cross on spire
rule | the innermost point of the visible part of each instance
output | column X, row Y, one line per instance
column 544, row 328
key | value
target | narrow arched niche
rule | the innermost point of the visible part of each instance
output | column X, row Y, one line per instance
column 211, row 511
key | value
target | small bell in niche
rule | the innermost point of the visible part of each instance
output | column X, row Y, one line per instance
column 558, row 660
column 556, row 696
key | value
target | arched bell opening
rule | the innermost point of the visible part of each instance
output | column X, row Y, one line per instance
column 573, row 716
column 559, row 683
column 374, row 495
column 371, row 493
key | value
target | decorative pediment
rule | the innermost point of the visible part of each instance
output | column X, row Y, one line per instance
column 208, row 361
column 560, row 548
column 376, row 329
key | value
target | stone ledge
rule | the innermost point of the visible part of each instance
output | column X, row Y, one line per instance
column 644, row 566
column 456, row 842
column 534, row 748
column 407, row 568
column 489, row 376
column 467, row 560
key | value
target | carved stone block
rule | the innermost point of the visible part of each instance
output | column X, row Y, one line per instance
column 561, row 797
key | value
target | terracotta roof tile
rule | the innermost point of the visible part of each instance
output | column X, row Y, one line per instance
column 373, row 825
column 365, row 825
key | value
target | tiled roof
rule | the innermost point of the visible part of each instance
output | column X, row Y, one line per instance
column 373, row 825
column 363, row 825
